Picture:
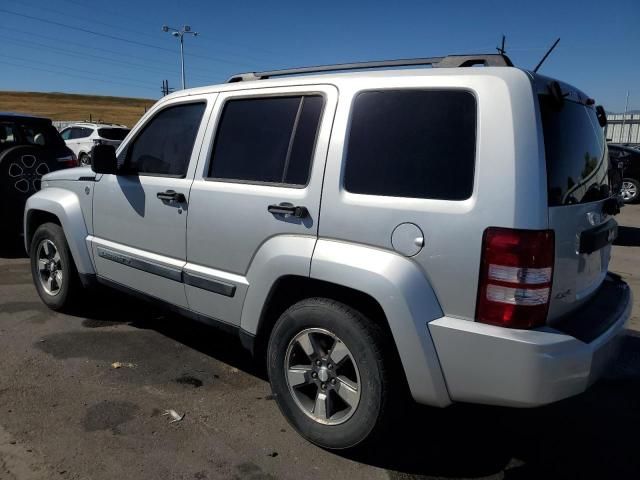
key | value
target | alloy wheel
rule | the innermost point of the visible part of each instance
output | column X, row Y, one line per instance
column 322, row 376
column 629, row 191
column 50, row 270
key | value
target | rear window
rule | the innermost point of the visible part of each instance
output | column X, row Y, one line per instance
column 113, row 133
column 577, row 167
column 29, row 133
column 412, row 143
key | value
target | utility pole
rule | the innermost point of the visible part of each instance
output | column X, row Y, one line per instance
column 180, row 33
column 624, row 118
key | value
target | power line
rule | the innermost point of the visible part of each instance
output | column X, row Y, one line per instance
column 115, row 37
column 129, row 80
column 93, row 8
column 74, row 75
column 85, row 30
column 139, row 60
column 64, row 51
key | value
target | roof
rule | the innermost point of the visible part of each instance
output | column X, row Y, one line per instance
column 343, row 78
column 22, row 116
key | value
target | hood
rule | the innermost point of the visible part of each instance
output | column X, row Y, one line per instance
column 77, row 173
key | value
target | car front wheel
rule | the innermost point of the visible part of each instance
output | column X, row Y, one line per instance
column 330, row 368
column 54, row 273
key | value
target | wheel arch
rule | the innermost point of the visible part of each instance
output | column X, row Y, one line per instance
column 386, row 287
column 62, row 207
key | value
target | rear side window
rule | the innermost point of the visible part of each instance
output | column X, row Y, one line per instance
column 113, row 133
column 412, row 143
column 164, row 146
column 577, row 167
column 267, row 140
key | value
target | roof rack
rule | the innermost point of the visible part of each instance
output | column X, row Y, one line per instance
column 450, row 61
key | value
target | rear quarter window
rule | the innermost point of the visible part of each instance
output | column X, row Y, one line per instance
column 412, row 143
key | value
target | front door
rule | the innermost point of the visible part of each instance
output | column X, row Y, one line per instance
column 140, row 215
column 265, row 156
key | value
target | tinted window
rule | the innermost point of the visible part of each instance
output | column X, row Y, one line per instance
column 113, row 133
column 82, row 132
column 66, row 133
column 164, row 146
column 30, row 133
column 575, row 153
column 412, row 143
column 267, row 139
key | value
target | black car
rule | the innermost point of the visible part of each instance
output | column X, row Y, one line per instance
column 630, row 159
column 30, row 147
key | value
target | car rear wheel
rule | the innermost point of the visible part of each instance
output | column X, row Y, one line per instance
column 331, row 369
column 21, row 171
column 84, row 159
column 630, row 190
column 54, row 273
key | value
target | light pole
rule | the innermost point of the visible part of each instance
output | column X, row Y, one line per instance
column 180, row 34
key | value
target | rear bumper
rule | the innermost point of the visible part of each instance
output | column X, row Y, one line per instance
column 526, row 368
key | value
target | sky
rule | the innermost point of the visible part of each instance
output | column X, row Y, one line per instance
column 117, row 47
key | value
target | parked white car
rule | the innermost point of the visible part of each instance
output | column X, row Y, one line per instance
column 81, row 137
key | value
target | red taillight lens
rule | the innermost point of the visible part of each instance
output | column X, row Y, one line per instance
column 69, row 161
column 516, row 271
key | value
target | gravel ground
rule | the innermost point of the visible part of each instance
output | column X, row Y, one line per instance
column 66, row 412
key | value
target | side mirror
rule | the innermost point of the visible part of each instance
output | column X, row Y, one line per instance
column 601, row 115
column 103, row 159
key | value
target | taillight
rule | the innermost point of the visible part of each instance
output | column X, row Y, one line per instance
column 516, row 271
column 69, row 161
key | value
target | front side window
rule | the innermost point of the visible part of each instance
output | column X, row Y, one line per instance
column 412, row 143
column 165, row 144
column 267, row 140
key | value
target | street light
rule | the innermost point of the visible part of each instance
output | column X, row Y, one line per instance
column 179, row 33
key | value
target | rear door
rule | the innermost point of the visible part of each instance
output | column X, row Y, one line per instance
column 578, row 187
column 266, row 155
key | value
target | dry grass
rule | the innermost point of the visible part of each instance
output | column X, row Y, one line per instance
column 63, row 106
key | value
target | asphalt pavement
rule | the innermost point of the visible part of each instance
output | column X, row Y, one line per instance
column 82, row 396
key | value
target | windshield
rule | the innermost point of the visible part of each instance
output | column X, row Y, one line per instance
column 575, row 150
column 113, row 133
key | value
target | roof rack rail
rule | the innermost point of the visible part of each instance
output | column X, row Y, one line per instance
column 450, row 61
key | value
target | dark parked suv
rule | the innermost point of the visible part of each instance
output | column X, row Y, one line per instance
column 630, row 158
column 30, row 147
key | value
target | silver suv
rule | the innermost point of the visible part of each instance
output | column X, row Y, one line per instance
column 443, row 233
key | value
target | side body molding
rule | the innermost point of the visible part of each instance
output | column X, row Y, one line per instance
column 65, row 205
column 407, row 300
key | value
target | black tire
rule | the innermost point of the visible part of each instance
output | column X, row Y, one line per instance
column 635, row 188
column 381, row 382
column 69, row 289
column 85, row 160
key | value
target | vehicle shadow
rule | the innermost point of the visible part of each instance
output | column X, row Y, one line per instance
column 120, row 308
column 628, row 236
column 12, row 248
column 589, row 436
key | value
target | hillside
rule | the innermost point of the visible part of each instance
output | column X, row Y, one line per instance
column 64, row 106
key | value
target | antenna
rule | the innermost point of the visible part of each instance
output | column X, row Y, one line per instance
column 501, row 49
column 546, row 55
